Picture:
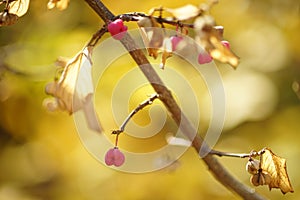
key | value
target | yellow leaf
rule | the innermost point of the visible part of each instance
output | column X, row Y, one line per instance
column 275, row 166
column 19, row 7
column 185, row 12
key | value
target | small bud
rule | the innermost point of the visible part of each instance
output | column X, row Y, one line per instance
column 117, row 29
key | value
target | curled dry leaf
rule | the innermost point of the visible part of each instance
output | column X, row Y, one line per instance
column 18, row 7
column 275, row 166
column 185, row 12
column 209, row 37
column 60, row 4
column 155, row 40
column 74, row 89
column 153, row 36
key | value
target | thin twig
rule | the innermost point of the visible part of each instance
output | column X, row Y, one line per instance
column 136, row 110
column 136, row 16
column 238, row 155
column 97, row 36
column 215, row 167
column 142, row 105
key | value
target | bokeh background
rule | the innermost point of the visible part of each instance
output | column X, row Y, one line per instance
column 42, row 157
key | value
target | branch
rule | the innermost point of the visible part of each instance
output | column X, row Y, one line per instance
column 220, row 173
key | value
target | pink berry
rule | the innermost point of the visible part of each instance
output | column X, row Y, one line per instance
column 109, row 157
column 226, row 44
column 204, row 58
column 175, row 40
column 119, row 158
column 117, row 29
column 114, row 157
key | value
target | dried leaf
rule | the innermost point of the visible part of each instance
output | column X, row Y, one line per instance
column 209, row 37
column 19, row 7
column 153, row 36
column 7, row 18
column 275, row 166
column 185, row 12
column 222, row 54
column 71, row 96
column 167, row 52
column 74, row 89
column 90, row 114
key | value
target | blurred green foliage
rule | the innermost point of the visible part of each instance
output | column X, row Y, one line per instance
column 41, row 156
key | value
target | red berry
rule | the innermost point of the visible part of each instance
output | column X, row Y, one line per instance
column 204, row 58
column 114, row 157
column 175, row 41
column 226, row 44
column 117, row 29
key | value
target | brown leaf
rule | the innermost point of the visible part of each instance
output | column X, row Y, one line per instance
column 209, row 37
column 275, row 166
column 185, row 12
column 7, row 18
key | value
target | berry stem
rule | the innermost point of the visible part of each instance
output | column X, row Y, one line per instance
column 142, row 105
column 117, row 139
